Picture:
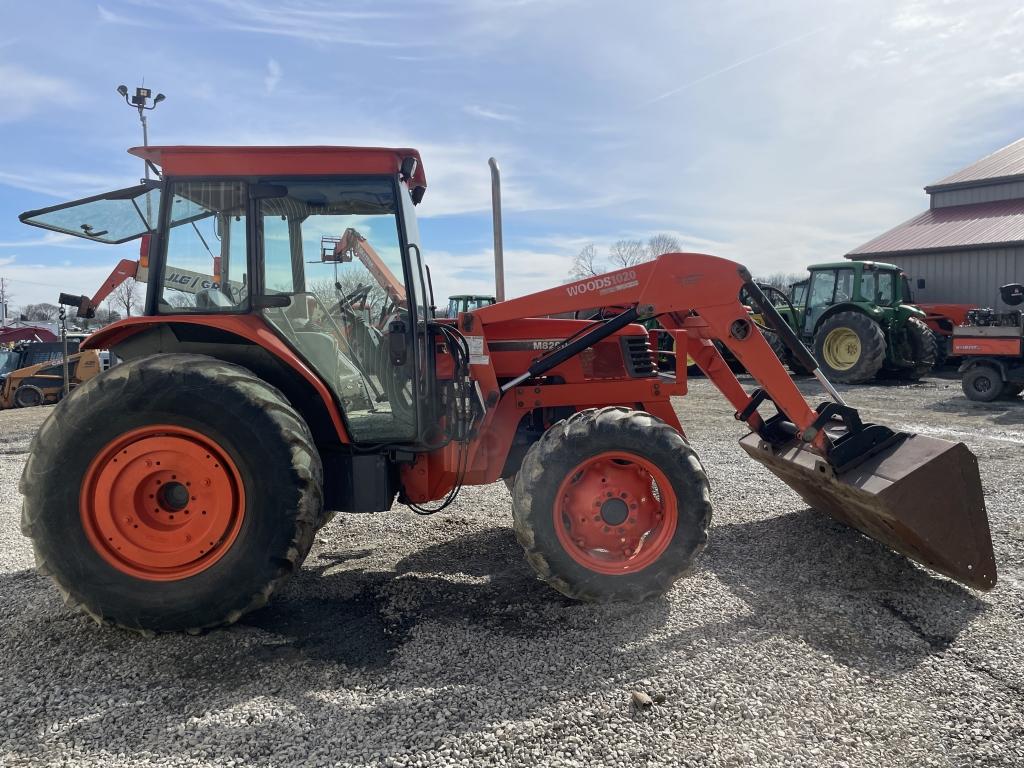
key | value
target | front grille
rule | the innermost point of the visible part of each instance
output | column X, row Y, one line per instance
column 639, row 357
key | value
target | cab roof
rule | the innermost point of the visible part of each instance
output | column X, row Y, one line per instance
column 851, row 265
column 278, row 161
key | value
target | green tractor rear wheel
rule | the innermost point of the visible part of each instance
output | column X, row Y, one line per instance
column 850, row 347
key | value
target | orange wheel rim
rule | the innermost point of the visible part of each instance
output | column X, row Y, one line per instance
column 162, row 503
column 615, row 513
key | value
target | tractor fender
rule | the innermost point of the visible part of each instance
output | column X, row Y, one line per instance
column 848, row 306
column 232, row 338
column 905, row 311
column 991, row 362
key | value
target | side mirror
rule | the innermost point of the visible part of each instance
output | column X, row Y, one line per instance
column 397, row 342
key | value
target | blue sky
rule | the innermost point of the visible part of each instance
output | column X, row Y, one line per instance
column 776, row 133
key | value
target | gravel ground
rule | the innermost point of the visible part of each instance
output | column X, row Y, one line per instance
column 405, row 641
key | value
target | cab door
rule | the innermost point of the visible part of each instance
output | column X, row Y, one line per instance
column 820, row 293
column 335, row 286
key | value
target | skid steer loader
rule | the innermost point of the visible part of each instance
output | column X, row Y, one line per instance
column 178, row 489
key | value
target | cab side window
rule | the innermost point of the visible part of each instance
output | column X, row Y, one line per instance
column 206, row 267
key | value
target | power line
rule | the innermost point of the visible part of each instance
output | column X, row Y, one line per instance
column 30, row 282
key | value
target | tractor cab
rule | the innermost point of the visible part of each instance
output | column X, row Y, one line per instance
column 320, row 242
column 798, row 293
column 867, row 284
column 467, row 302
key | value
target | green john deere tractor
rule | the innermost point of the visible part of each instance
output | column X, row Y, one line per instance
column 467, row 302
column 855, row 317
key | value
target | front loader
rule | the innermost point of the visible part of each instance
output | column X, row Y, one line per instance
column 178, row 489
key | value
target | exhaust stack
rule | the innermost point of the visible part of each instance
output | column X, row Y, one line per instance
column 499, row 253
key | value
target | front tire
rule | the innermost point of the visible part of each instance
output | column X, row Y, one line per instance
column 923, row 349
column 982, row 383
column 28, row 396
column 173, row 492
column 611, row 504
column 850, row 348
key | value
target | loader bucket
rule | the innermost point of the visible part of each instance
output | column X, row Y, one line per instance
column 921, row 497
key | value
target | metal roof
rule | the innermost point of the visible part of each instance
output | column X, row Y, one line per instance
column 955, row 227
column 1002, row 164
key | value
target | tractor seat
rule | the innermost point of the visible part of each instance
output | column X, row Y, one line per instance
column 322, row 350
column 211, row 298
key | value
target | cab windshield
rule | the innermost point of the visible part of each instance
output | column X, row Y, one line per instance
column 9, row 362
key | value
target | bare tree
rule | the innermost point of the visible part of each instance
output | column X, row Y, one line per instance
column 106, row 316
column 44, row 312
column 627, row 253
column 622, row 254
column 663, row 243
column 585, row 263
column 780, row 280
column 126, row 296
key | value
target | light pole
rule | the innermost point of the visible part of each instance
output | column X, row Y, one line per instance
column 140, row 101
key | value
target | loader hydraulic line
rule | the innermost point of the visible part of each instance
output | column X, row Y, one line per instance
column 601, row 331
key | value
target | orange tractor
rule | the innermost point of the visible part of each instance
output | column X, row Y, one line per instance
column 257, row 396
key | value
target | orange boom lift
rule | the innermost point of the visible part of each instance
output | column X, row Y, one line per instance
column 178, row 489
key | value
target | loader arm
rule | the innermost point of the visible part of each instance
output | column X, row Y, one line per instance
column 125, row 270
column 353, row 244
column 916, row 494
column 696, row 296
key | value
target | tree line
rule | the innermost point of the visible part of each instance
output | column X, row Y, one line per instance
column 628, row 253
column 124, row 301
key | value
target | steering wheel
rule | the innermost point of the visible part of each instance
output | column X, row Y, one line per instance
column 346, row 300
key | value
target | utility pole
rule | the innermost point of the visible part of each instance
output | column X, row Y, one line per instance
column 4, row 300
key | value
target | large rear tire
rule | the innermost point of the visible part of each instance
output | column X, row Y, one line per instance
column 611, row 505
column 923, row 349
column 173, row 492
column 850, row 348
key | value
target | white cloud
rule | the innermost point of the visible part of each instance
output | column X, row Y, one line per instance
column 52, row 240
column 23, row 92
column 273, row 76
column 489, row 114
column 109, row 17
column 62, row 184
column 31, row 283
column 320, row 22
column 1009, row 83
column 526, row 271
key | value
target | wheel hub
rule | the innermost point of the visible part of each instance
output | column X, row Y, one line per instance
column 162, row 503
column 173, row 496
column 841, row 349
column 615, row 513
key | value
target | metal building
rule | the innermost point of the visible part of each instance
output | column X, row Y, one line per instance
column 970, row 240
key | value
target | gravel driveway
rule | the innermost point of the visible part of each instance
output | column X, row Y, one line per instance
column 405, row 641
